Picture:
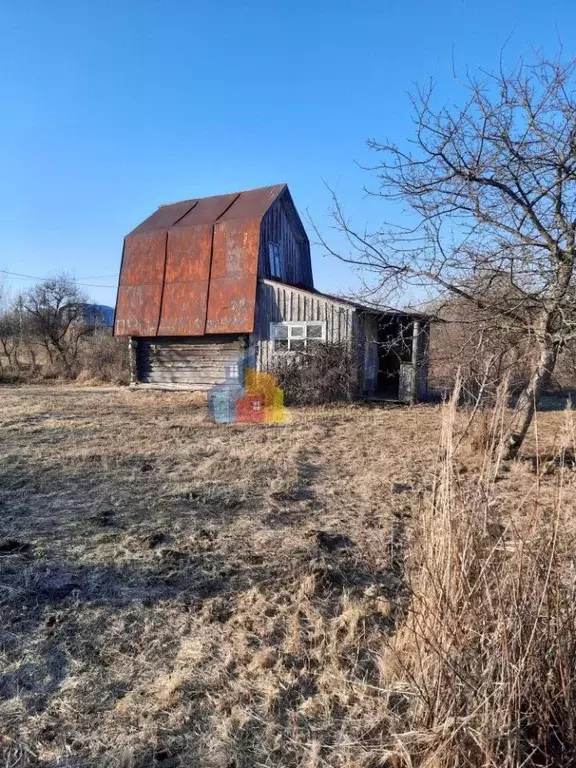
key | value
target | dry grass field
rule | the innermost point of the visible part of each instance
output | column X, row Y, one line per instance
column 179, row 593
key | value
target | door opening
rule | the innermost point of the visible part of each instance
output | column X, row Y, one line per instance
column 394, row 348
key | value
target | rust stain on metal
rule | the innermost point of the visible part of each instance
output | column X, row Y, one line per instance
column 166, row 216
column 191, row 268
column 254, row 203
column 137, row 310
column 183, row 309
column 232, row 297
column 144, row 255
column 208, row 210
column 188, row 253
column 232, row 302
column 186, row 282
column 236, row 244
column 141, row 280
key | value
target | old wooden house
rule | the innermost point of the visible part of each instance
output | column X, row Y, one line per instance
column 203, row 281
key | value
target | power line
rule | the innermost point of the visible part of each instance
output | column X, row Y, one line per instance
column 13, row 275
column 94, row 277
column 74, row 279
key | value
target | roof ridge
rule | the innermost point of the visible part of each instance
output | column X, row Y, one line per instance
column 223, row 194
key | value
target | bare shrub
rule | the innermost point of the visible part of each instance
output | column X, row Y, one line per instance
column 17, row 356
column 474, row 345
column 484, row 660
column 104, row 357
column 54, row 310
column 51, row 332
column 10, row 377
column 322, row 374
column 564, row 377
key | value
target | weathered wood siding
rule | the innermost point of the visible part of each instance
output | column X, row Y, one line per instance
column 371, row 360
column 187, row 362
column 276, row 303
column 422, row 352
column 281, row 224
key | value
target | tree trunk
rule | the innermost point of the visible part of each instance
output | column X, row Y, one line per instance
column 34, row 366
column 8, row 354
column 62, row 352
column 530, row 398
column 48, row 351
column 16, row 358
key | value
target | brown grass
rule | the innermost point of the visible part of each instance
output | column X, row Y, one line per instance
column 192, row 594
column 484, row 659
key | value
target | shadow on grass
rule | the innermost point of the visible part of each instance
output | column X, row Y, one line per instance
column 57, row 601
column 38, row 597
column 557, row 401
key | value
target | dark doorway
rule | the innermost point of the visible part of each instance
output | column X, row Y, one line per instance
column 394, row 347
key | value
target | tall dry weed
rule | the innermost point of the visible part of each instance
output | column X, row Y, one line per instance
column 484, row 661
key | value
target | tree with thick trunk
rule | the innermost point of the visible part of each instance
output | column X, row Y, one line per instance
column 489, row 191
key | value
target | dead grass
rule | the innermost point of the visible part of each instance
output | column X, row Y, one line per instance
column 209, row 595
column 484, row 658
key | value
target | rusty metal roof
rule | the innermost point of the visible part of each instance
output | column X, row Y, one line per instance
column 191, row 267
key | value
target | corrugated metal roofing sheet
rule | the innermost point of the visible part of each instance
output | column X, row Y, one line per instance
column 191, row 267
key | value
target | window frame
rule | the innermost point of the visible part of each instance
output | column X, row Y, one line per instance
column 275, row 260
column 304, row 324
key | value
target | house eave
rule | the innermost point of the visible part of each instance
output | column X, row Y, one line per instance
column 364, row 308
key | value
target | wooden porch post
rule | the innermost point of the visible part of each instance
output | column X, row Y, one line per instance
column 415, row 361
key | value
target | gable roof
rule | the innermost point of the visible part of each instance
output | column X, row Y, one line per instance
column 191, row 267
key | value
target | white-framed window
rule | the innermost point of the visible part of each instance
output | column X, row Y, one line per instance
column 296, row 337
column 275, row 259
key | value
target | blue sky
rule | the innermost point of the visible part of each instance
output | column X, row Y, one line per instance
column 111, row 108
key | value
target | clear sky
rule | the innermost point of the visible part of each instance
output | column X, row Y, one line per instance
column 111, row 107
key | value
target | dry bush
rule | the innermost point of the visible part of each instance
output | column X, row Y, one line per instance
column 481, row 436
column 484, row 661
column 470, row 344
column 564, row 377
column 103, row 357
column 100, row 357
column 10, row 377
column 323, row 374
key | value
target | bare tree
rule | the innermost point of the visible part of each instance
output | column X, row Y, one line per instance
column 55, row 310
column 490, row 190
column 10, row 338
column 16, row 334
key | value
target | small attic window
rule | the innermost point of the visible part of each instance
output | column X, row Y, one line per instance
column 275, row 259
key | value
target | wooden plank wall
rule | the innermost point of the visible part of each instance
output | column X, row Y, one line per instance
column 277, row 303
column 423, row 342
column 197, row 363
column 370, row 354
column 282, row 225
